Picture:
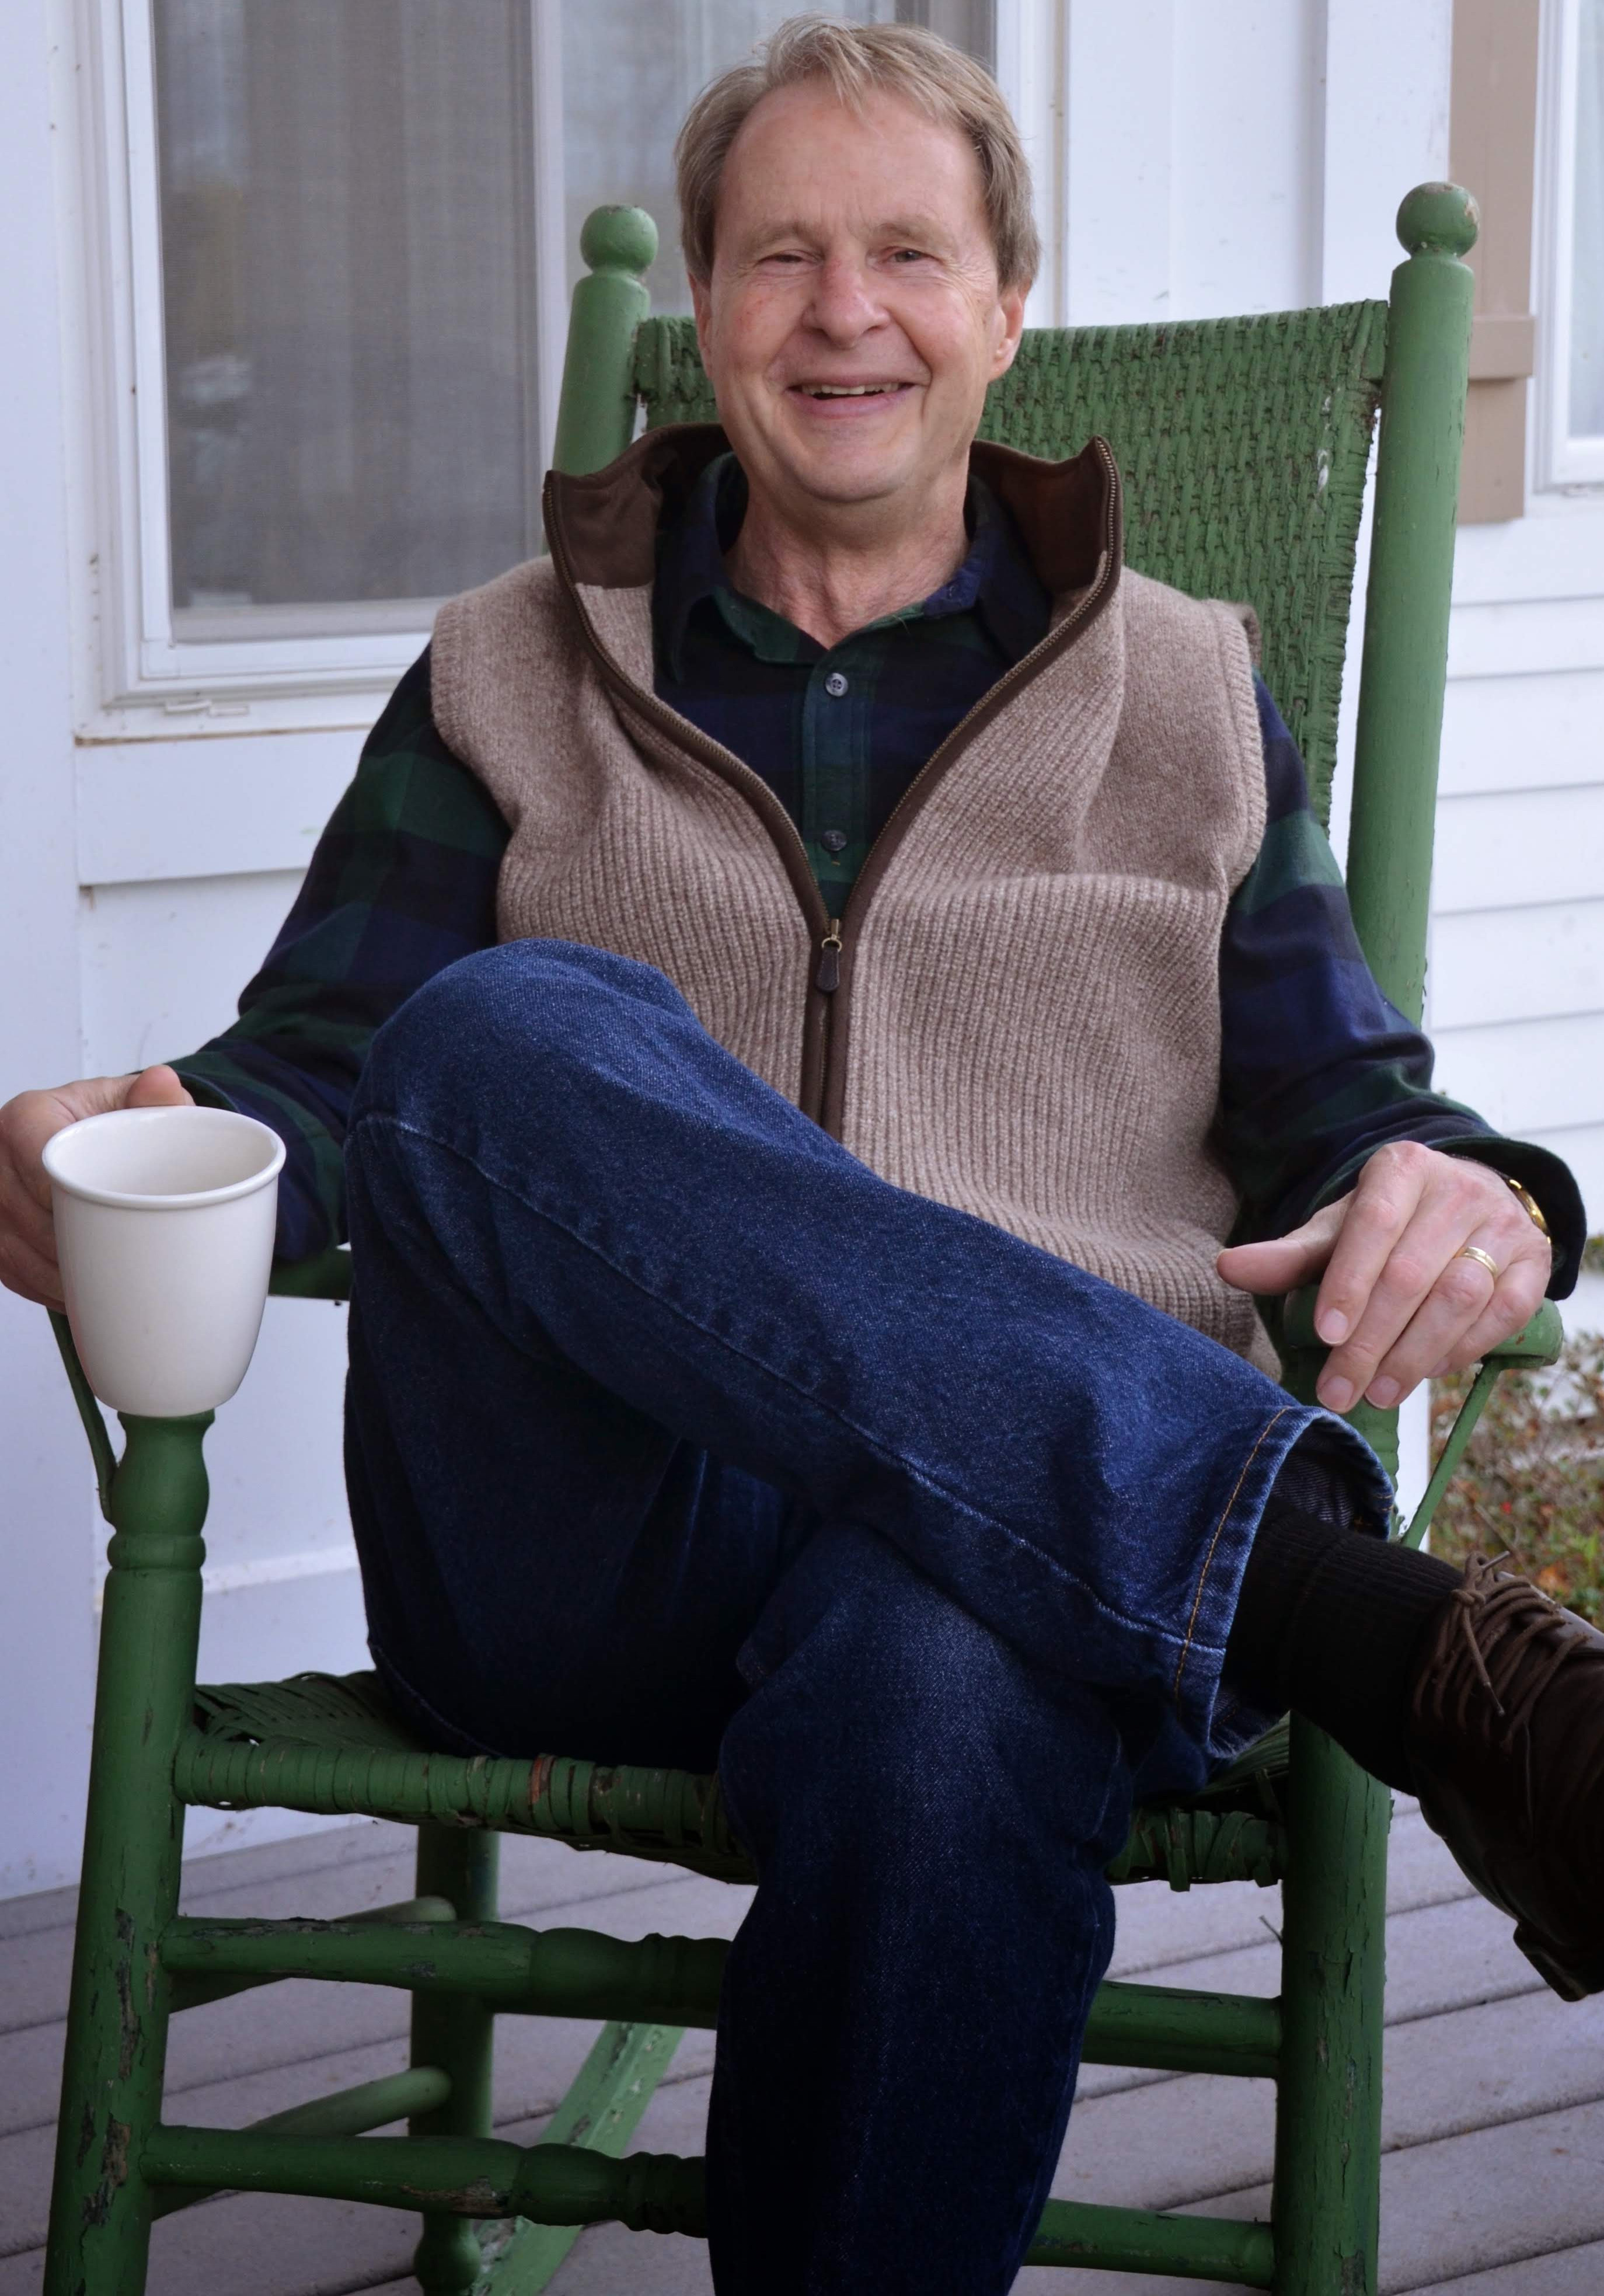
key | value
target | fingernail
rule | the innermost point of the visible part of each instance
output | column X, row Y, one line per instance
column 1332, row 1326
column 1384, row 1394
column 1335, row 1394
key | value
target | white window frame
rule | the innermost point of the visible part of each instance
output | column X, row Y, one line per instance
column 139, row 675
column 1031, row 69
column 1561, row 461
column 142, row 674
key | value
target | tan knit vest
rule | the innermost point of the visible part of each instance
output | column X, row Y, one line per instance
column 1027, row 1021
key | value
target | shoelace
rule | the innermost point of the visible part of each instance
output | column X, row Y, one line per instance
column 1485, row 1615
column 1509, row 1638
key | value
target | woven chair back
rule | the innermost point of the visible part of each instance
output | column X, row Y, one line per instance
column 1243, row 445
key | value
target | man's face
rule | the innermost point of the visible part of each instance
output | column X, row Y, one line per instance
column 852, row 255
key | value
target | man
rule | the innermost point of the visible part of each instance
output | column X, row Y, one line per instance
column 872, row 888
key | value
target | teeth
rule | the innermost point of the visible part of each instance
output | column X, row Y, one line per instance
column 849, row 390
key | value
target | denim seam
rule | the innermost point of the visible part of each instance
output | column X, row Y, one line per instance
column 919, row 1474
column 1219, row 1532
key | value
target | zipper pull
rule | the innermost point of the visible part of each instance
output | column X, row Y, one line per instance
column 827, row 978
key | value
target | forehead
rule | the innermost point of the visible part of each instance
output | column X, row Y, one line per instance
column 803, row 159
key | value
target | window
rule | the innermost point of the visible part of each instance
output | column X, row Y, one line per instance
column 342, row 234
column 1571, row 450
column 348, row 306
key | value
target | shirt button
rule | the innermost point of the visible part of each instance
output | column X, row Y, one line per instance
column 833, row 840
column 835, row 686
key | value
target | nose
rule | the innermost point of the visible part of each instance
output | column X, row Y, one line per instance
column 844, row 306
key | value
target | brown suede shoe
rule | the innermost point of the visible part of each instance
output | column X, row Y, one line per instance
column 1506, row 1744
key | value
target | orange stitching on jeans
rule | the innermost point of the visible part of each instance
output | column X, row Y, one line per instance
column 1214, row 1542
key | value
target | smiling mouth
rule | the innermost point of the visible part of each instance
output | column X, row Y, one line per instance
column 851, row 390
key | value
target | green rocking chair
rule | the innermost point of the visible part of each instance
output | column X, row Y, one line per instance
column 1244, row 445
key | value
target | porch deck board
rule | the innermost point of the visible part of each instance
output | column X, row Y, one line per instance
column 1494, row 2119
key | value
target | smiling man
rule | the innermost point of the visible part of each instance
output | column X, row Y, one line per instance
column 805, row 980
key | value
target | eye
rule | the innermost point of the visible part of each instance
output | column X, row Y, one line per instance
column 907, row 255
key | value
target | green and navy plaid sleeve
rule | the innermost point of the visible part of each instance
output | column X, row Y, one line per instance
column 402, row 884
column 1317, row 1070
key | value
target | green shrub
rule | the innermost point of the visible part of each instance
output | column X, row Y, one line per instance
column 1532, row 1481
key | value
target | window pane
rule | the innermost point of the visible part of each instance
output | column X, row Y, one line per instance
column 345, row 205
column 347, row 202
column 1587, row 280
column 629, row 76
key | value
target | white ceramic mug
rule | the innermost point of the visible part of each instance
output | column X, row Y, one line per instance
column 164, row 1223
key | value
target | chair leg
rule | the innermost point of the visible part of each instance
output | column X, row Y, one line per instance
column 1328, row 2131
column 117, row 2019
column 458, row 2035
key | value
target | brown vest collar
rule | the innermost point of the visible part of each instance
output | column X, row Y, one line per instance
column 1068, row 514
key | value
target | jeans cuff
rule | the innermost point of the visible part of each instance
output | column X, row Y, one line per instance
column 1362, row 1491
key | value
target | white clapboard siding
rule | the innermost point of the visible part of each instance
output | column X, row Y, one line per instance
column 1528, row 1076
column 1509, row 733
column 1518, row 847
column 163, row 962
column 1517, row 981
column 209, row 807
column 1516, row 964
column 1525, row 637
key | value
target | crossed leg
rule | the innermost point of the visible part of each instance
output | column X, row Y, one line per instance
column 676, row 1435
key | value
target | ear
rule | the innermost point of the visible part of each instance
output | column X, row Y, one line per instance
column 1010, row 324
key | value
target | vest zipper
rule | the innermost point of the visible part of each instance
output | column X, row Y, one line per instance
column 894, row 827
column 827, row 979
column 825, row 1021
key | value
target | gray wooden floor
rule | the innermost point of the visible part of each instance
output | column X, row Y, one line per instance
column 1493, row 2184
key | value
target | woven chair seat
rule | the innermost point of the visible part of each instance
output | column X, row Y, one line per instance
column 333, row 1745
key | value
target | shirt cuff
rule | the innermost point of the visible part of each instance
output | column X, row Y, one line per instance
column 1554, row 1184
column 202, row 1089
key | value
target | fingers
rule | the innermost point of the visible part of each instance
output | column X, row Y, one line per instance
column 27, row 1254
column 1412, row 1214
column 158, row 1087
column 1380, row 1211
column 1285, row 1261
column 32, row 1274
column 1465, row 1312
column 1514, row 1300
column 28, row 1260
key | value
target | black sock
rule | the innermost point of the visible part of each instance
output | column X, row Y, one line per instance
column 1330, row 1619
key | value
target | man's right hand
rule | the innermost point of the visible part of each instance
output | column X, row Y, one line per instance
column 28, row 1253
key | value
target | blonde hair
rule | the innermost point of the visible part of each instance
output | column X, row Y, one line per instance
column 859, row 60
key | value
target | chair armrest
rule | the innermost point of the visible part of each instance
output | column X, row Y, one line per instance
column 1538, row 1342
column 88, row 1410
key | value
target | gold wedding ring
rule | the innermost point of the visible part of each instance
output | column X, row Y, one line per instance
column 1475, row 1251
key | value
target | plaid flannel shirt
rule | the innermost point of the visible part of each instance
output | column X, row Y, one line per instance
column 1317, row 1070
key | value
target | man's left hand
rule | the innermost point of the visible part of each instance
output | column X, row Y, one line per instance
column 1401, row 1300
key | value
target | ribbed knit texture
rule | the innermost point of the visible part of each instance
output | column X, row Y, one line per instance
column 619, row 839
column 1032, row 997
column 1034, row 1032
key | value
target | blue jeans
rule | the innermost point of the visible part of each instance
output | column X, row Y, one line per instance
column 675, row 1436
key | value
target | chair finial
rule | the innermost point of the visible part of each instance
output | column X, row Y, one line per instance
column 618, row 239
column 1438, row 219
